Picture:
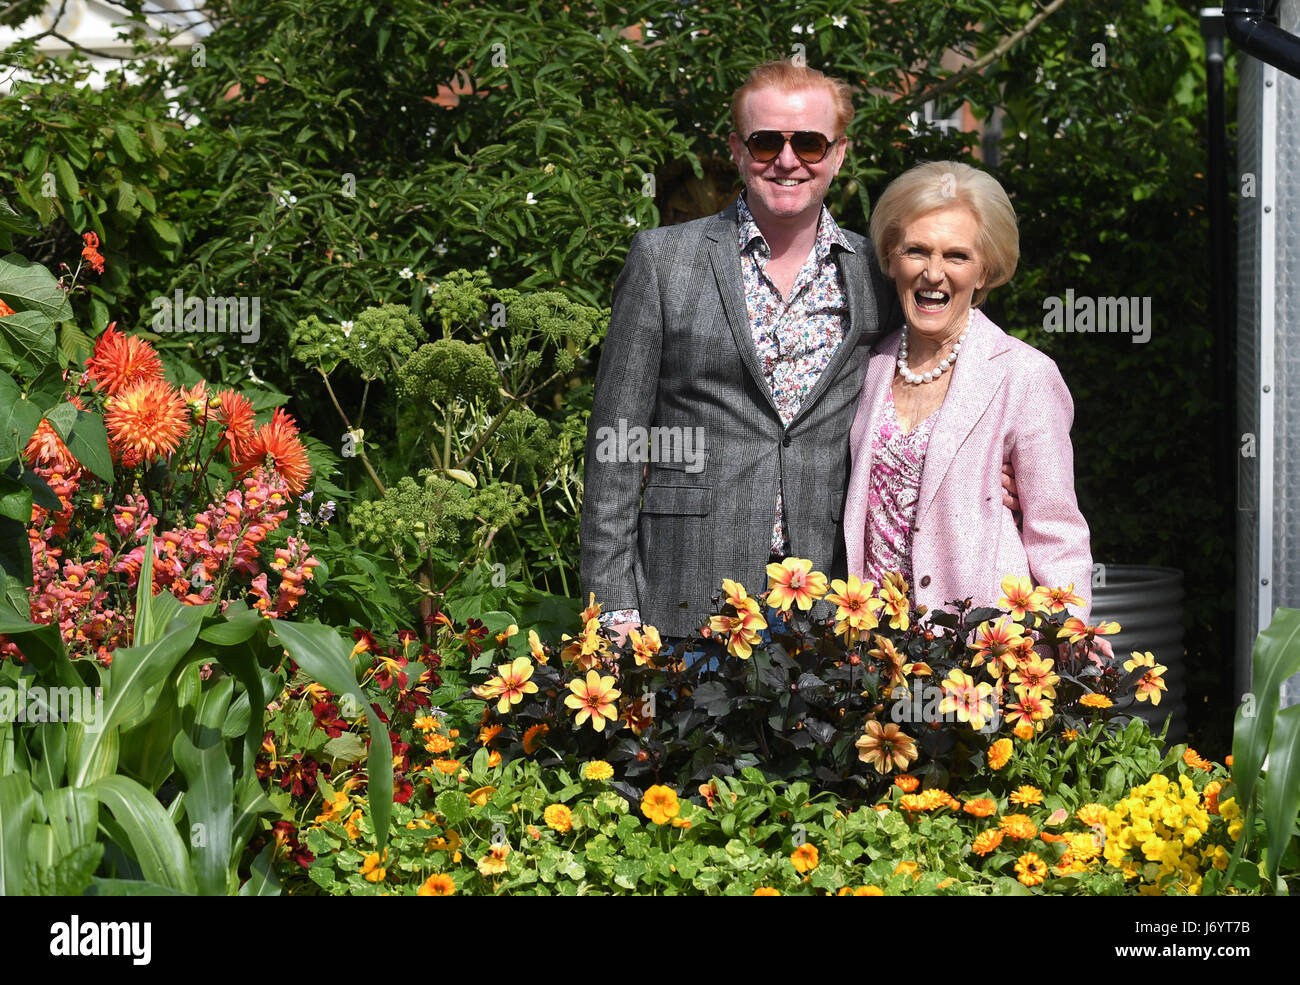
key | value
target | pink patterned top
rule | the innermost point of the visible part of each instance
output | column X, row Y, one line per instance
column 894, row 486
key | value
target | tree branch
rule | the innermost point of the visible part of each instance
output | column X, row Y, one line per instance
column 975, row 67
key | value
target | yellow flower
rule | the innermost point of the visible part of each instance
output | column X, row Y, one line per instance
column 886, row 747
column 1019, row 596
column 793, row 582
column 510, row 686
column 535, row 647
column 480, row 797
column 907, row 869
column 1030, row 869
column 558, row 818
column 1151, row 686
column 856, row 604
column 1018, row 826
column 1027, row 796
column 766, row 891
column 494, row 862
column 1069, row 735
column 1092, row 814
column 593, row 698
column 1023, row 731
column 999, row 754
column 1095, row 701
column 868, row 891
column 968, row 699
column 660, row 804
column 597, row 769
column 645, row 644
column 371, row 869
column 804, row 858
column 438, row 884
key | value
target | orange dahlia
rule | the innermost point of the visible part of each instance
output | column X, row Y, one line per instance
column 120, row 361
column 237, row 421
column 145, row 420
column 47, row 448
column 276, row 445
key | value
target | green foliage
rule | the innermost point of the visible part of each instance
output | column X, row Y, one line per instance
column 449, row 371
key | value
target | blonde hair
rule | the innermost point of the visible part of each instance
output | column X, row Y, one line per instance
column 937, row 185
column 785, row 76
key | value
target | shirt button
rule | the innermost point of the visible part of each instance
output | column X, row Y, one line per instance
column 925, row 581
column 785, row 442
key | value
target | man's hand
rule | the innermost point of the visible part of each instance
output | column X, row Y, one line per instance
column 619, row 631
column 1010, row 496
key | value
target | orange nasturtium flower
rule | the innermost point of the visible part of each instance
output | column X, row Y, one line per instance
column 660, row 804
column 886, row 747
column 510, row 685
column 593, row 698
column 804, row 858
column 438, row 884
column 793, row 582
column 494, row 862
column 1151, row 684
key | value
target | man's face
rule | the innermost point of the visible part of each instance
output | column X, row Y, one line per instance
column 787, row 191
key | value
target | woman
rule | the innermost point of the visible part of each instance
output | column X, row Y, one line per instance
column 949, row 397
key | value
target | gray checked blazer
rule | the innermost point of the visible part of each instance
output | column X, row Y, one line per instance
column 679, row 354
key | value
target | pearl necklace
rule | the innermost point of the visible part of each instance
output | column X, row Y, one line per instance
column 945, row 364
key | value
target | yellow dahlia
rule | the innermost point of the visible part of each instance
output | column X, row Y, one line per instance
column 793, row 582
column 593, row 698
column 886, row 747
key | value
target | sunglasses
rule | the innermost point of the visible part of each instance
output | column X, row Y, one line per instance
column 808, row 145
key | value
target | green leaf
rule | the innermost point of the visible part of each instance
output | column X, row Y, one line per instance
column 151, row 835
column 262, row 880
column 12, row 222
column 130, row 141
column 70, row 875
column 66, row 179
column 17, row 805
column 89, row 444
column 19, row 418
column 209, row 808
column 29, row 286
column 1282, row 789
column 27, row 342
column 164, row 230
column 62, row 417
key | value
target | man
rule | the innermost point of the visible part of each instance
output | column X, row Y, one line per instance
column 730, row 374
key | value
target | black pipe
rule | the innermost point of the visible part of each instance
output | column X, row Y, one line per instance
column 1226, row 460
column 1258, row 37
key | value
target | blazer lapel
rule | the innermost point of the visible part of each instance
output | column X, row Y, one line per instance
column 853, row 275
column 724, row 255
column 976, row 379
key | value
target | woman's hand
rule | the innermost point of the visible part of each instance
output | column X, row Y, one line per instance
column 1010, row 496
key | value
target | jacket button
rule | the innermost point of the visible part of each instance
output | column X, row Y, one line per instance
column 925, row 581
column 785, row 442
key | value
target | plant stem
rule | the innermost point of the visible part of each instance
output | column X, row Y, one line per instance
column 361, row 451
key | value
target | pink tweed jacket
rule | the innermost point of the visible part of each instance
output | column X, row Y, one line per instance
column 1006, row 401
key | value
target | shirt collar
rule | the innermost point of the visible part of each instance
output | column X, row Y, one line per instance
column 828, row 232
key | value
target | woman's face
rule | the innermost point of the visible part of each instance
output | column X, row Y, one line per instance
column 937, row 271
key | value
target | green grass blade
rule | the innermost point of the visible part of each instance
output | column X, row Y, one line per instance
column 151, row 835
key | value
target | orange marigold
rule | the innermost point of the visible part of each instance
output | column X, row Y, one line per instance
column 906, row 783
column 534, row 736
column 1095, row 701
column 766, row 891
column 1018, row 826
column 981, row 807
column 999, row 754
column 1194, row 759
column 558, row 818
column 120, row 361
column 986, row 841
column 145, row 421
column 1027, row 796
column 1092, row 814
column 1030, row 869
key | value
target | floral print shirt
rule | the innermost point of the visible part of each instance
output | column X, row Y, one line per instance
column 795, row 337
column 893, row 487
